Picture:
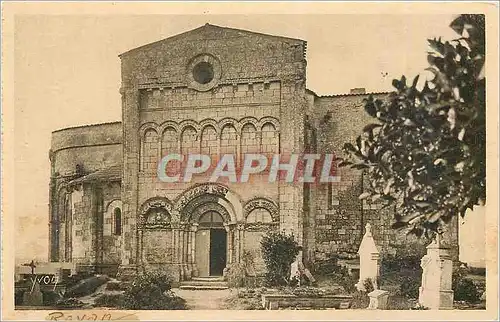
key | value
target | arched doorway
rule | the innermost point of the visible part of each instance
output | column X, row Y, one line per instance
column 211, row 244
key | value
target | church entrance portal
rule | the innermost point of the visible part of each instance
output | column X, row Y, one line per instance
column 211, row 245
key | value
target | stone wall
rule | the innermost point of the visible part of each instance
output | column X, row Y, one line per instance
column 75, row 152
column 339, row 216
column 258, row 78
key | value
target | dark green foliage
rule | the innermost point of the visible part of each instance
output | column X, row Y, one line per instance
column 464, row 288
column 115, row 286
column 236, row 275
column 344, row 279
column 18, row 297
column 360, row 300
column 407, row 258
column 425, row 151
column 404, row 268
column 50, row 298
column 409, row 286
column 368, row 285
column 69, row 303
column 279, row 250
column 86, row 286
column 327, row 266
column 152, row 291
column 109, row 300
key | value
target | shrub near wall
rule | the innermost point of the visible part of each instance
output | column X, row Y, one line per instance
column 403, row 268
column 152, row 291
column 279, row 250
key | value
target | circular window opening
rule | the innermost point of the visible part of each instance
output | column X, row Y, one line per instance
column 203, row 73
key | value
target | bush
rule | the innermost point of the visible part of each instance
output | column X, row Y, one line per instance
column 368, row 285
column 409, row 286
column 109, row 300
column 279, row 250
column 464, row 288
column 50, row 298
column 236, row 275
column 18, row 296
column 116, row 286
column 406, row 258
column 360, row 300
column 69, row 303
column 344, row 279
column 152, row 291
column 327, row 266
column 86, row 286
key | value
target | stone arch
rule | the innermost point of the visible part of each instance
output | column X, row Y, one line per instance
column 189, row 123
column 189, row 140
column 262, row 203
column 149, row 149
column 168, row 124
column 251, row 120
column 166, row 211
column 147, row 126
column 259, row 215
column 169, row 141
column 207, row 193
column 229, row 120
column 268, row 119
column 269, row 143
column 250, row 140
column 109, row 227
column 210, row 122
column 209, row 143
column 229, row 140
column 202, row 205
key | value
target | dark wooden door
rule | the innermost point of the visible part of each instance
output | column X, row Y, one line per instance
column 218, row 242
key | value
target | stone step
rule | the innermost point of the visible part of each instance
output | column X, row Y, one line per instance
column 204, row 283
column 208, row 279
column 202, row 287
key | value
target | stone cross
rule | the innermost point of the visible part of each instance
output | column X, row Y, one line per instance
column 436, row 291
column 32, row 265
column 368, row 260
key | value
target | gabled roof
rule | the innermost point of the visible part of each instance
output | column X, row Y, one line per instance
column 112, row 173
column 208, row 29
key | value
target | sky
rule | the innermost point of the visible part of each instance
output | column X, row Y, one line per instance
column 67, row 73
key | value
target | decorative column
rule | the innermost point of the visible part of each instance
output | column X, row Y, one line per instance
column 182, row 248
column 230, row 246
column 436, row 292
column 140, row 243
column 194, row 229
column 240, row 240
column 368, row 260
column 176, row 247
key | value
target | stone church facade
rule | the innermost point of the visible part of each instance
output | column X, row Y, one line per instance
column 213, row 91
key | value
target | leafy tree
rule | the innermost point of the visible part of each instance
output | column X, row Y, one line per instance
column 425, row 152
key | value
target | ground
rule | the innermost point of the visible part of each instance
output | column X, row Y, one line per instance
column 204, row 300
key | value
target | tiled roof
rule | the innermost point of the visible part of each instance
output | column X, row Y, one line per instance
column 86, row 125
column 112, row 173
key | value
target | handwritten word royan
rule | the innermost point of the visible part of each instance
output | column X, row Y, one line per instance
column 60, row 316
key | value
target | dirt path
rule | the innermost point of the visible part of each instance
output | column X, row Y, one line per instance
column 203, row 300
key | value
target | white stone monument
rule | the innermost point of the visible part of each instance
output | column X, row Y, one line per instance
column 435, row 292
column 378, row 300
column 368, row 260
